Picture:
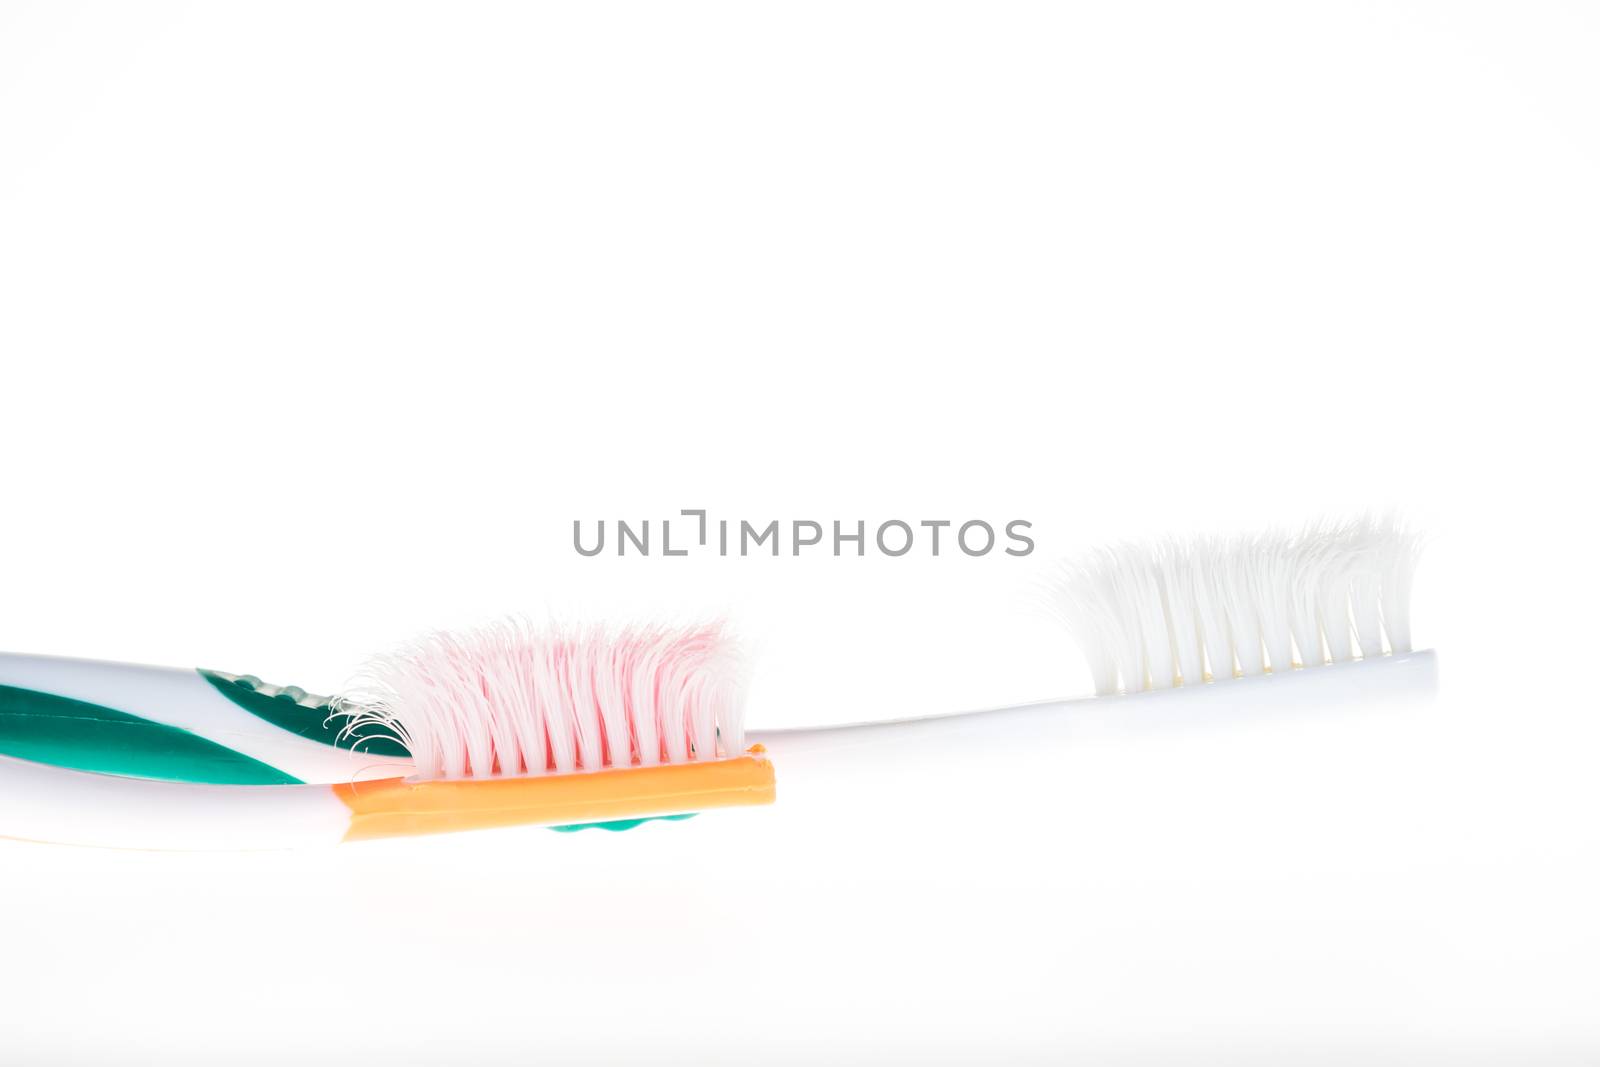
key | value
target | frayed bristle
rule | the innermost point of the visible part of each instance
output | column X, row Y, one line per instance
column 1152, row 616
column 514, row 699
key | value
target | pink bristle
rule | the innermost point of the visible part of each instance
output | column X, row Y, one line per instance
column 511, row 698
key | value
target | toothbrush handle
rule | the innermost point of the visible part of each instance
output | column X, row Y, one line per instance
column 180, row 725
column 46, row 803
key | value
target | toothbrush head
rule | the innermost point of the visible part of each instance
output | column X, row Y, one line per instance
column 511, row 723
column 512, row 699
column 1173, row 613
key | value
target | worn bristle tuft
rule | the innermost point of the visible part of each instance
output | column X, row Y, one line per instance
column 512, row 698
column 1152, row 616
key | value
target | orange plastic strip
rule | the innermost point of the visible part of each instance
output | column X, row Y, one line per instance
column 396, row 807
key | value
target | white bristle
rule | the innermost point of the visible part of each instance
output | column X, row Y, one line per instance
column 514, row 699
column 1154, row 616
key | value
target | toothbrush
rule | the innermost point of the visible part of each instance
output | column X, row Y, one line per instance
column 1174, row 632
column 507, row 724
column 499, row 726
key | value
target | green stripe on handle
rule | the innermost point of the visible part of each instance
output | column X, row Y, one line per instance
column 46, row 728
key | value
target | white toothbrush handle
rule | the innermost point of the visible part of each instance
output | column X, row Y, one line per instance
column 819, row 763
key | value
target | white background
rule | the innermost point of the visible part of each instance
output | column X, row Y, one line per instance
column 321, row 323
